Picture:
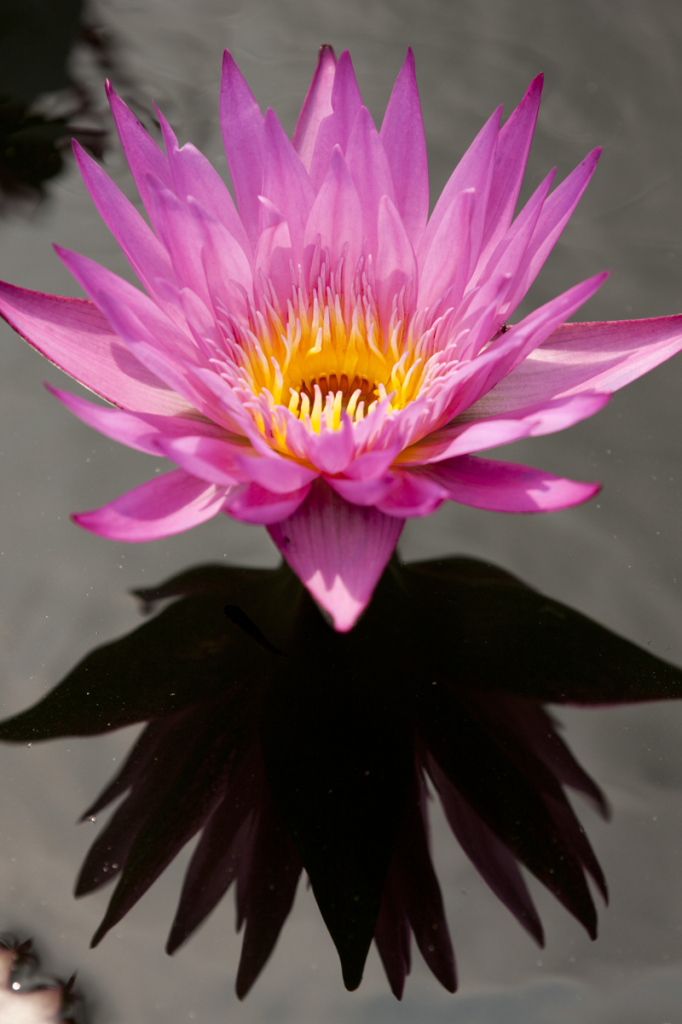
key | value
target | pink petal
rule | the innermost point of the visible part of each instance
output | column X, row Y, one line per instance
column 242, row 127
column 402, row 134
column 207, row 458
column 181, row 233
column 510, row 164
column 396, row 264
column 368, row 167
column 316, row 106
column 336, row 217
column 444, row 271
column 73, row 334
column 585, row 357
column 140, row 245
column 556, row 213
column 225, row 263
column 274, row 472
column 162, row 506
column 338, row 551
column 475, row 436
column 330, row 451
column 254, row 504
column 285, row 181
column 141, row 432
column 335, row 129
column 362, row 492
column 142, row 153
column 193, row 175
column 473, row 171
column 505, row 486
column 274, row 253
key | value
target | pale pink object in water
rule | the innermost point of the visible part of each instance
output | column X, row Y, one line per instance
column 324, row 358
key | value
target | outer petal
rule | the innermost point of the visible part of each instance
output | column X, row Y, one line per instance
column 402, row 134
column 336, row 217
column 316, row 106
column 584, row 357
column 510, row 164
column 338, row 550
column 163, row 506
column 444, row 272
column 141, row 432
column 505, row 486
column 371, row 174
column 464, row 438
column 242, row 126
column 142, row 153
column 285, row 181
column 76, row 337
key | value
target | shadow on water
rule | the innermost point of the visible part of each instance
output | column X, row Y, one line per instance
column 290, row 747
column 43, row 104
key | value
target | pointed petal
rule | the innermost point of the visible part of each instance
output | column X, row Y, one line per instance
column 141, row 247
column 396, row 264
column 336, row 217
column 335, row 129
column 242, row 126
column 285, row 181
column 140, row 432
column 337, row 550
column 510, row 164
column 392, row 934
column 585, row 357
column 316, row 106
column 402, row 134
column 473, row 171
column 506, row 486
column 555, row 215
column 76, row 337
column 368, row 167
column 160, row 507
column 445, row 269
column 142, row 153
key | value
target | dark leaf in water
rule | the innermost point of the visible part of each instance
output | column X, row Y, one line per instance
column 338, row 760
column 186, row 654
column 490, row 631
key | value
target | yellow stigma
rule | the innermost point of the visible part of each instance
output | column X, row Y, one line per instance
column 326, row 353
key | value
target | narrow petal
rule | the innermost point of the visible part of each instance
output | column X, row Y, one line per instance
column 396, row 264
column 510, row 164
column 336, row 217
column 142, row 153
column 444, row 272
column 76, row 337
column 368, row 166
column 140, row 432
column 335, row 129
column 473, row 171
column 274, row 253
column 285, row 181
column 585, row 357
column 242, row 126
column 160, row 507
column 316, row 106
column 402, row 134
column 475, row 436
column 254, row 504
column 506, row 486
column 392, row 934
column 140, row 246
column 555, row 215
column 338, row 551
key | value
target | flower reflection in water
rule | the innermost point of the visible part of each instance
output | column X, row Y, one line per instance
column 26, row 999
column 325, row 358
column 290, row 746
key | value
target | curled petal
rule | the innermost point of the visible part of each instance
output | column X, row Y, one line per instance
column 252, row 503
column 337, row 550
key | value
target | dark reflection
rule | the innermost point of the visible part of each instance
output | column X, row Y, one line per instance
column 28, row 995
column 290, row 746
column 37, row 38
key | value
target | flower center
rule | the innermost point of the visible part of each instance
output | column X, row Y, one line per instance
column 327, row 351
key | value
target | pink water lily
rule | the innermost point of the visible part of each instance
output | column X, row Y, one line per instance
column 323, row 357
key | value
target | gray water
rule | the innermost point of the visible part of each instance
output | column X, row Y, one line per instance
column 613, row 77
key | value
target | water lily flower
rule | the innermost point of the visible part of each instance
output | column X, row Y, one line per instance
column 325, row 358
